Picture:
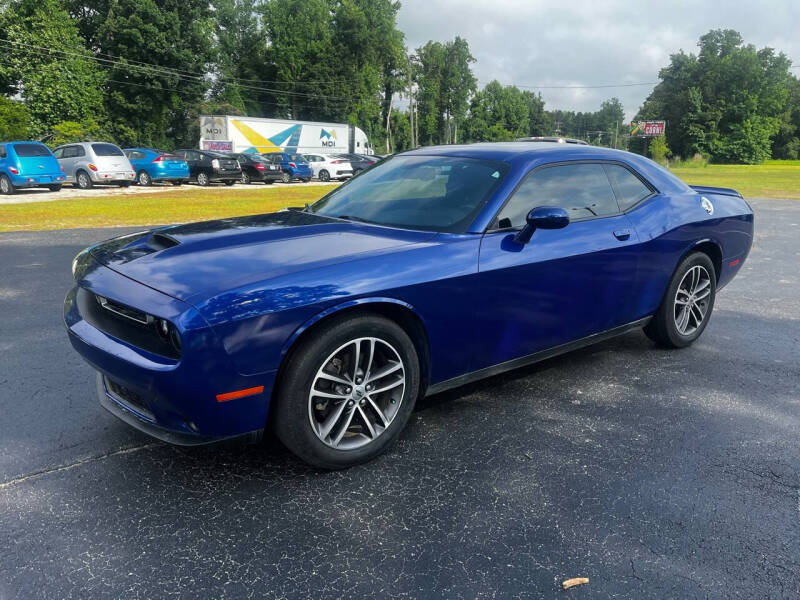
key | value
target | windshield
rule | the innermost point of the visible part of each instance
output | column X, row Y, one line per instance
column 26, row 150
column 433, row 193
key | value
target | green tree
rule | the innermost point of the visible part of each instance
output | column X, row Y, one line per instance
column 498, row 113
column 15, row 120
column 538, row 120
column 727, row 101
column 152, row 105
column 659, row 151
column 445, row 83
column 71, row 131
column 46, row 61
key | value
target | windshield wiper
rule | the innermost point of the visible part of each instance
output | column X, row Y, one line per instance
column 351, row 218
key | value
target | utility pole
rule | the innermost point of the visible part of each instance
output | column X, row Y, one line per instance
column 411, row 105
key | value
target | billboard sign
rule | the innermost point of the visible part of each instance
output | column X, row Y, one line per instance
column 648, row 128
column 217, row 145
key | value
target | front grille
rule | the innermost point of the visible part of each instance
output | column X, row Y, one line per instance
column 127, row 396
column 124, row 323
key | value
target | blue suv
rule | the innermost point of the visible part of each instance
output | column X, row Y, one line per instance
column 293, row 166
column 28, row 164
column 155, row 165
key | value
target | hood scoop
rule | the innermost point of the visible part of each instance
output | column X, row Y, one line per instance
column 161, row 241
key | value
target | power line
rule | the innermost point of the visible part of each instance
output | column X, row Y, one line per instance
column 578, row 87
column 167, row 71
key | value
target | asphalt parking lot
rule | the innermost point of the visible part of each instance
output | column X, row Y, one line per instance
column 654, row 473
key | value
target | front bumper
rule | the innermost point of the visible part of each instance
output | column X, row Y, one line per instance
column 173, row 399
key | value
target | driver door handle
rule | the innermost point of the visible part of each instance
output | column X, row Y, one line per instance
column 622, row 234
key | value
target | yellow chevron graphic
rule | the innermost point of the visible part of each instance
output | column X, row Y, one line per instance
column 256, row 139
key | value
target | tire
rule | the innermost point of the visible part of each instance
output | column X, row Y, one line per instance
column 295, row 408
column 124, row 184
column 55, row 188
column 246, row 178
column 324, row 175
column 202, row 179
column 269, row 181
column 693, row 286
column 230, row 181
column 286, row 178
column 83, row 181
column 6, row 187
column 306, row 179
column 143, row 178
column 177, row 183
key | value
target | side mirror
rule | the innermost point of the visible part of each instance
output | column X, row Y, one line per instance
column 542, row 217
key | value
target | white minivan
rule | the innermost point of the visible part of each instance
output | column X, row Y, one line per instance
column 90, row 163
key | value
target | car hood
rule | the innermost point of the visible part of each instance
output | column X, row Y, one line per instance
column 200, row 260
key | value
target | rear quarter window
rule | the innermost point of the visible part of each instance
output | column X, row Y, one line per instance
column 629, row 189
column 27, row 150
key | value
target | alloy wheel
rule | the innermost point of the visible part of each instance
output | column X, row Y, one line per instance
column 356, row 393
column 202, row 179
column 692, row 300
column 83, row 181
column 5, row 187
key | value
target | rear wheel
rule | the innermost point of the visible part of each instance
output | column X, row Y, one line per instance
column 285, row 177
column 306, row 179
column 6, row 187
column 686, row 308
column 202, row 179
column 230, row 181
column 144, row 178
column 324, row 175
column 347, row 391
column 83, row 180
column 55, row 188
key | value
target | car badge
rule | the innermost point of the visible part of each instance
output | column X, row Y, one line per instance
column 706, row 204
column 41, row 166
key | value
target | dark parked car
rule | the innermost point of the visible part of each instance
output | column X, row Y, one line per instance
column 294, row 166
column 360, row 162
column 207, row 167
column 432, row 269
column 257, row 168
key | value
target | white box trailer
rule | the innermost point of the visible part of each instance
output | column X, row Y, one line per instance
column 227, row 133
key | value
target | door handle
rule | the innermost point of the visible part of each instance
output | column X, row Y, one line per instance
column 622, row 234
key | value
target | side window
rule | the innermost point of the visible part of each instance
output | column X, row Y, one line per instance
column 68, row 152
column 628, row 188
column 58, row 152
column 582, row 189
column 78, row 151
column 3, row 153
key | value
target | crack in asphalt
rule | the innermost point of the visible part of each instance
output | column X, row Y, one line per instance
column 78, row 463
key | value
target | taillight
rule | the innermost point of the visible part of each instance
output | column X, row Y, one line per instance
column 260, row 167
column 336, row 162
column 159, row 158
column 215, row 164
column 62, row 169
column 294, row 166
column 14, row 170
column 92, row 167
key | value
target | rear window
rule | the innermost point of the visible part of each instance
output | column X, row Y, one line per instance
column 106, row 150
column 298, row 158
column 24, row 150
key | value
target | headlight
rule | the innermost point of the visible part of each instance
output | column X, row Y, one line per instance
column 80, row 264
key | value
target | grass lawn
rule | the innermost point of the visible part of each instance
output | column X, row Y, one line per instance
column 187, row 204
column 773, row 179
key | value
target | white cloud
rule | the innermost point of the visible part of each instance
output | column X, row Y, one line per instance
column 578, row 42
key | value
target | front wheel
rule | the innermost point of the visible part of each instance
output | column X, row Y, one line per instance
column 202, row 179
column 347, row 391
column 324, row 175
column 55, row 188
column 686, row 308
column 230, row 181
column 246, row 178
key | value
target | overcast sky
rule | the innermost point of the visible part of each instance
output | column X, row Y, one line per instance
column 599, row 42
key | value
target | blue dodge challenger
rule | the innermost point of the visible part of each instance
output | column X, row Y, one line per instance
column 434, row 268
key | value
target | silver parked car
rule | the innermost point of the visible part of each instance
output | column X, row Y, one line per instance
column 89, row 163
column 327, row 167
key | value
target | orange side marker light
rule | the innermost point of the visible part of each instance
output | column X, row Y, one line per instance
column 240, row 393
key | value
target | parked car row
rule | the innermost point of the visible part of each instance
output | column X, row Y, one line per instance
column 26, row 164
